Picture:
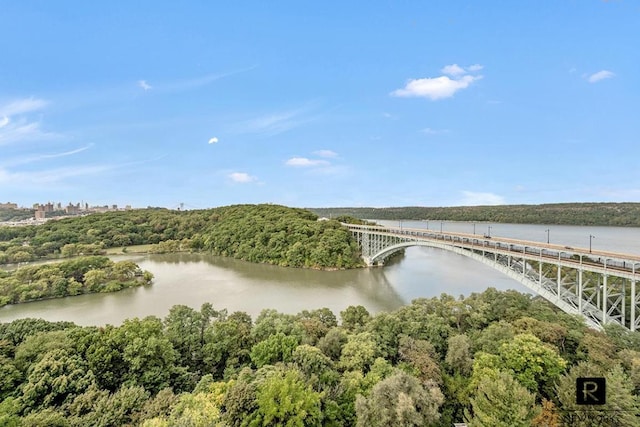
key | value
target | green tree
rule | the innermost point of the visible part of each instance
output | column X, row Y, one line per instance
column 458, row 356
column 500, row 401
column 283, row 399
column 534, row 364
column 276, row 348
column 421, row 355
column 227, row 344
column 399, row 400
column 55, row 380
column 354, row 318
column 358, row 353
column 331, row 344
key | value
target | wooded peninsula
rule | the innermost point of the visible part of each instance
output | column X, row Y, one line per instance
column 272, row 234
column 81, row 275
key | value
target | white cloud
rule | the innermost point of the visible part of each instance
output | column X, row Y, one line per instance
column 144, row 85
column 5, row 121
column 305, row 162
column 600, row 75
column 213, row 140
column 325, row 153
column 22, row 106
column 472, row 198
column 453, row 70
column 456, row 70
column 241, row 177
column 435, row 88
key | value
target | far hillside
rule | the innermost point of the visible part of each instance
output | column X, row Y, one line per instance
column 604, row 214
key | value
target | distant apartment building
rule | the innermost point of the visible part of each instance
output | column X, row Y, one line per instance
column 49, row 207
column 72, row 209
column 8, row 205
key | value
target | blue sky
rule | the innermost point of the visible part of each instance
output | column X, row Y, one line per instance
column 439, row 103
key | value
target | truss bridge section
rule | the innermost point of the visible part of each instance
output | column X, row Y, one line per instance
column 600, row 286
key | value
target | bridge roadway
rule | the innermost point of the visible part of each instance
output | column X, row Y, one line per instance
column 598, row 285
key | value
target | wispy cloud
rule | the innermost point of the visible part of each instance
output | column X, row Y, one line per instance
column 61, row 176
column 23, row 130
column 22, row 106
column 36, row 158
column 472, row 198
column 305, row 162
column 600, row 75
column 50, row 176
column 274, row 123
column 16, row 125
column 435, row 88
column 326, row 153
column 431, row 131
column 241, row 177
column 196, row 82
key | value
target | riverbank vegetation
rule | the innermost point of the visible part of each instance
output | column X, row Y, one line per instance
column 74, row 277
column 603, row 214
column 258, row 233
column 492, row 359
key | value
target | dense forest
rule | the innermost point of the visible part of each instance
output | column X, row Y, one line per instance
column 611, row 214
column 78, row 276
column 491, row 359
column 259, row 233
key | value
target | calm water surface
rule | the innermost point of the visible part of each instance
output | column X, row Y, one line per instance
column 193, row 279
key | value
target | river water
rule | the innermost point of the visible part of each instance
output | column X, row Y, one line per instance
column 192, row 279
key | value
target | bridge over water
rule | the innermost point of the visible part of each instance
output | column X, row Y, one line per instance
column 600, row 286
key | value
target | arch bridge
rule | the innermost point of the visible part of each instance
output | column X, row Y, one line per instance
column 597, row 285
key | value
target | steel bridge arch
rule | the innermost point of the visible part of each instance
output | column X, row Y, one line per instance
column 513, row 273
column 600, row 287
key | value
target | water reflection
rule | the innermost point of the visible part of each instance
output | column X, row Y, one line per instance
column 192, row 279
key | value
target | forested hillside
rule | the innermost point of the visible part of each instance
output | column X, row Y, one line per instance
column 258, row 233
column 15, row 214
column 492, row 359
column 612, row 214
